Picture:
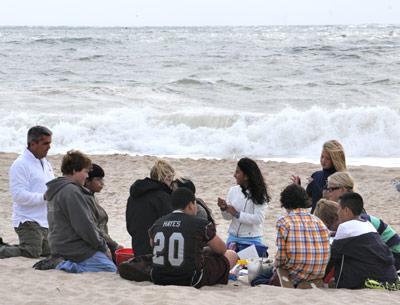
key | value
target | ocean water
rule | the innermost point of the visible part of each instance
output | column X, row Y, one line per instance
column 274, row 92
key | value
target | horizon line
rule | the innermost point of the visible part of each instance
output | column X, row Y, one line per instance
column 199, row 26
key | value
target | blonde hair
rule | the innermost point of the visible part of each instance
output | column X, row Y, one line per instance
column 342, row 179
column 161, row 170
column 336, row 152
column 326, row 210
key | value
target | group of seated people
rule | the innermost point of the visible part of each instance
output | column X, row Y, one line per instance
column 174, row 234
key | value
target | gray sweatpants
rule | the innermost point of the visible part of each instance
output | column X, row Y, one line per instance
column 32, row 242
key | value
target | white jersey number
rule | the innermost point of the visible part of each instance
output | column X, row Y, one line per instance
column 159, row 241
column 176, row 245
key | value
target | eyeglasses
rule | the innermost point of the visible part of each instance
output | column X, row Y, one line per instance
column 331, row 189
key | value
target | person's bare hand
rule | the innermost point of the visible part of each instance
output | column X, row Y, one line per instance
column 231, row 210
column 295, row 179
column 222, row 204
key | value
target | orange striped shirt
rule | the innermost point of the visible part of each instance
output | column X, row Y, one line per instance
column 303, row 245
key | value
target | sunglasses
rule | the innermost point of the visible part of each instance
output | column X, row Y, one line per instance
column 331, row 189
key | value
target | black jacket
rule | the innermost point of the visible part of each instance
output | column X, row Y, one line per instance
column 149, row 200
column 317, row 185
column 364, row 256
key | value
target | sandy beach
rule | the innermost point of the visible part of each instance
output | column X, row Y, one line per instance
column 20, row 284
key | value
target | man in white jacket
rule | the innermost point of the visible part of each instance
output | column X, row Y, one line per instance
column 28, row 177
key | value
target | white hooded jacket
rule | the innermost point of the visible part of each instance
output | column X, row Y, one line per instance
column 251, row 219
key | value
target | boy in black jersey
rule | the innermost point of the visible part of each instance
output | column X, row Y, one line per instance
column 178, row 241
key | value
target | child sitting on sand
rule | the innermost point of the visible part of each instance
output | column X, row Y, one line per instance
column 326, row 210
column 94, row 183
column 73, row 234
column 178, row 241
column 358, row 253
column 245, row 206
column 302, row 239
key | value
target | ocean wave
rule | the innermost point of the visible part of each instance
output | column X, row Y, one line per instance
column 384, row 81
column 59, row 71
column 61, row 40
column 90, row 58
column 70, row 49
column 364, row 132
column 233, row 85
column 191, row 81
column 336, row 83
column 315, row 48
column 347, row 56
column 15, row 42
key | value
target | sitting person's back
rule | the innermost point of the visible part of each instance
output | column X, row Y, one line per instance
column 302, row 239
column 358, row 253
column 149, row 200
column 179, row 238
column 388, row 235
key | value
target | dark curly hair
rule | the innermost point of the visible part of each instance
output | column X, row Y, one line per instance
column 255, row 181
column 293, row 197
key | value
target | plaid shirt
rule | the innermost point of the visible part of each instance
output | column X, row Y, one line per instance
column 303, row 245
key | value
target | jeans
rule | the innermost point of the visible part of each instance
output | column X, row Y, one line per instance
column 99, row 262
column 239, row 243
column 32, row 242
column 244, row 240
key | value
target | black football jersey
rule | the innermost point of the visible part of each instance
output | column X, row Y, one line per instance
column 179, row 240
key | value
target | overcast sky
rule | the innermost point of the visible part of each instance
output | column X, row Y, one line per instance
column 197, row 12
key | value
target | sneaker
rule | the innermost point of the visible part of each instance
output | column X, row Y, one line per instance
column 48, row 263
column 372, row 284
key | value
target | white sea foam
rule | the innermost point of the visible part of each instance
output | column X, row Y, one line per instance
column 265, row 92
column 366, row 132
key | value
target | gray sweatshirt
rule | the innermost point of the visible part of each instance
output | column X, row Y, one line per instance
column 73, row 233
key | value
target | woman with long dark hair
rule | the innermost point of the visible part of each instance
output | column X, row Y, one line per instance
column 245, row 206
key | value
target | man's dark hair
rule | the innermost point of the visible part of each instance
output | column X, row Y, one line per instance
column 96, row 172
column 181, row 197
column 293, row 197
column 184, row 182
column 353, row 201
column 35, row 133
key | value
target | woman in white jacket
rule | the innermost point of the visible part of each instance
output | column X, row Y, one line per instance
column 245, row 206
